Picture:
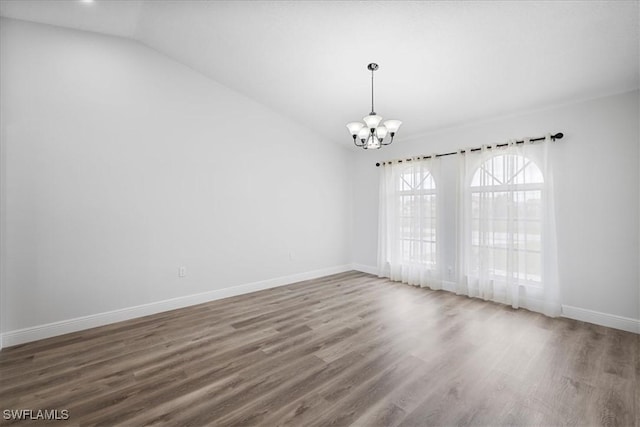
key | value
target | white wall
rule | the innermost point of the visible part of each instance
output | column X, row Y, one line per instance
column 120, row 165
column 597, row 189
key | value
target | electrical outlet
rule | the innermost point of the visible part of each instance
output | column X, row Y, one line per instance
column 291, row 256
column 182, row 271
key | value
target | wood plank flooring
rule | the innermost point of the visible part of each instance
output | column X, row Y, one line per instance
column 348, row 349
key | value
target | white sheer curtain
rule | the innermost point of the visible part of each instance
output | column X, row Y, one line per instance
column 408, row 226
column 506, row 227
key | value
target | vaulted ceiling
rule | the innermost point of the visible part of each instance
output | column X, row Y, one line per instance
column 442, row 64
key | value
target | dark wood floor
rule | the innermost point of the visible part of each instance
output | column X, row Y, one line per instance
column 341, row 350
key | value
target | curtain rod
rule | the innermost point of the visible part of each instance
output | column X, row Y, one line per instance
column 558, row 135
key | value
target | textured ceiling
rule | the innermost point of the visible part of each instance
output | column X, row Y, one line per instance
column 442, row 64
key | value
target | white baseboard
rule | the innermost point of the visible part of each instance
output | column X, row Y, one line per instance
column 365, row 268
column 49, row 330
column 603, row 319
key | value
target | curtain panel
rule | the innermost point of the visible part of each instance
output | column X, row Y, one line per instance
column 408, row 227
column 507, row 250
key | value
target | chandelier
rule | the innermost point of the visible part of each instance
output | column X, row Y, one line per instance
column 371, row 134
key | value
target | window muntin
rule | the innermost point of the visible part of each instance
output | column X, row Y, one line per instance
column 506, row 219
column 417, row 201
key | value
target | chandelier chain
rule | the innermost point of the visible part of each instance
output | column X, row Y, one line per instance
column 372, row 109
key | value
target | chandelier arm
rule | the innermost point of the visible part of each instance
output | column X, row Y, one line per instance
column 387, row 143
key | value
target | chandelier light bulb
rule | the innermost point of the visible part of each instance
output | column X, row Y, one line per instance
column 354, row 127
column 392, row 126
column 372, row 121
column 381, row 132
column 363, row 134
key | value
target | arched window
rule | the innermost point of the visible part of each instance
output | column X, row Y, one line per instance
column 506, row 219
column 416, row 192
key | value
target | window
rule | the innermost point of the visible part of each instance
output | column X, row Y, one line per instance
column 506, row 219
column 481, row 224
column 416, row 191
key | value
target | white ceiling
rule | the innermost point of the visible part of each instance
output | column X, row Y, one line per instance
column 442, row 63
column 118, row 18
